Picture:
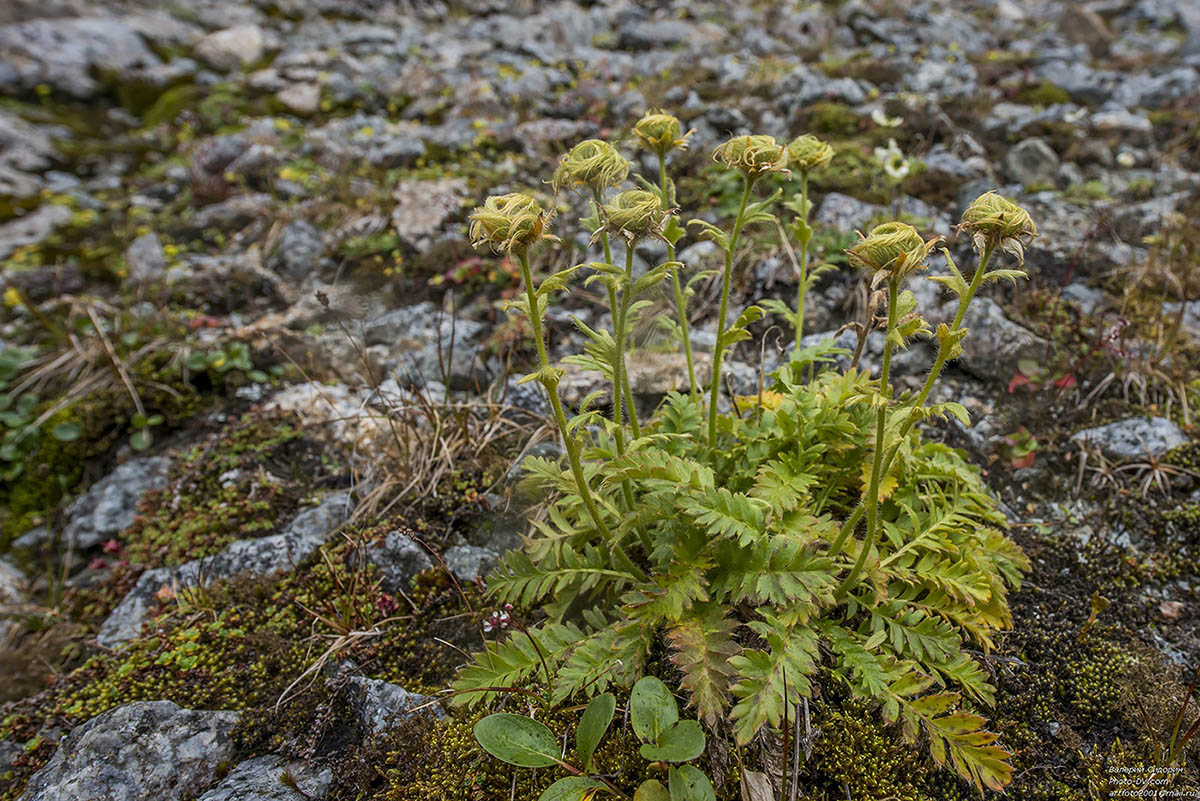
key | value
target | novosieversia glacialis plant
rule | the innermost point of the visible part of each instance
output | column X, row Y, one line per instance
column 808, row 530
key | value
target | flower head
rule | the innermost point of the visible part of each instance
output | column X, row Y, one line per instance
column 592, row 163
column 753, row 156
column 634, row 213
column 807, row 152
column 508, row 223
column 660, row 132
column 880, row 117
column 892, row 250
column 893, row 160
column 996, row 220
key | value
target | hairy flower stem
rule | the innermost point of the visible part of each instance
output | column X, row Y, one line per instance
column 680, row 301
column 551, row 386
column 934, row 372
column 719, row 349
column 802, row 290
column 885, row 391
column 622, row 324
column 620, row 388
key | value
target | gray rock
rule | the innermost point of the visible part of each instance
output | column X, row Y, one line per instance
column 423, row 206
column 111, row 503
column 1137, row 438
column 31, row 228
column 232, row 48
column 380, row 704
column 426, row 344
column 653, row 34
column 145, row 259
column 302, row 98
column 258, row 780
column 1089, row 299
column 73, row 55
column 469, row 562
column 300, row 249
column 399, row 558
column 25, row 149
column 1084, row 84
column 396, row 151
column 995, row 343
column 1032, row 161
column 149, row 749
column 803, row 86
column 234, row 213
column 844, row 213
column 12, row 595
column 259, row 556
column 1158, row 91
column 1190, row 319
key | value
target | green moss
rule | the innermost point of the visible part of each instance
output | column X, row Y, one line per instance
column 858, row 755
column 832, row 119
column 1045, row 93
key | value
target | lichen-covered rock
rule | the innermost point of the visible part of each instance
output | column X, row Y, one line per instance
column 398, row 558
column 259, row 780
column 68, row 54
column 380, row 703
column 232, row 48
column 469, row 562
column 31, row 228
column 12, row 595
column 1133, row 439
column 110, row 504
column 145, row 259
column 145, row 750
column 257, row 556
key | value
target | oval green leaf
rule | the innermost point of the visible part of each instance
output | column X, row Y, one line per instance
column 66, row 432
column 652, row 709
column 652, row 790
column 141, row 439
column 592, row 725
column 688, row 783
column 517, row 740
column 682, row 742
column 572, row 788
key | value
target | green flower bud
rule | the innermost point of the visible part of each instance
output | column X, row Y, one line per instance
column 634, row 214
column 508, row 223
column 807, row 152
column 753, row 156
column 997, row 220
column 892, row 250
column 592, row 163
column 660, row 132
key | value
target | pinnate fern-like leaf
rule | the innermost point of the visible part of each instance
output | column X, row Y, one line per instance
column 703, row 646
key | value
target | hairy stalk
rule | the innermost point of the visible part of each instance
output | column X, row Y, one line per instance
column 622, row 324
column 613, row 305
column 680, row 301
column 885, row 389
column 551, row 387
column 943, row 352
column 934, row 372
column 802, row 290
column 718, row 350
column 620, row 379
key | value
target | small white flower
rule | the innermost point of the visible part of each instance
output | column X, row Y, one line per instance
column 1126, row 159
column 893, row 160
column 883, row 120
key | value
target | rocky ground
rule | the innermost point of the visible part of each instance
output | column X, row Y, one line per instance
column 259, row 425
